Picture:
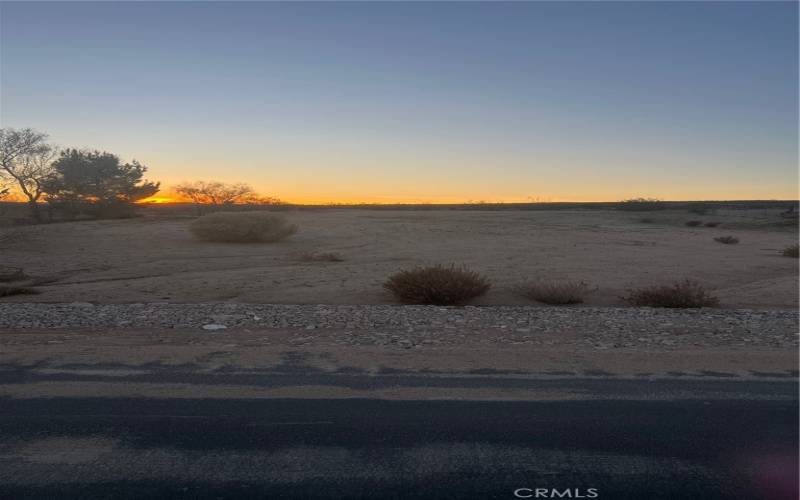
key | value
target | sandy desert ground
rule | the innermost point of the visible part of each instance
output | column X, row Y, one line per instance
column 155, row 258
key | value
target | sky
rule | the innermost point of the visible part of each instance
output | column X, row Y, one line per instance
column 420, row 102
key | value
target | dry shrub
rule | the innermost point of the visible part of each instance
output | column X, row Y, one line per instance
column 711, row 224
column 647, row 220
column 242, row 227
column 791, row 251
column 727, row 240
column 680, row 295
column 321, row 257
column 699, row 208
column 437, row 285
column 556, row 292
column 694, row 223
column 8, row 290
column 642, row 205
column 8, row 273
column 10, row 236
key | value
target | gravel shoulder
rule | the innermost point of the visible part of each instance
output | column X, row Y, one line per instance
column 410, row 326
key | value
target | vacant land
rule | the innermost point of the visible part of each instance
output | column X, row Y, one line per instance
column 155, row 259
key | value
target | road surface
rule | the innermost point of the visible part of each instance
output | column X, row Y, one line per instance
column 590, row 438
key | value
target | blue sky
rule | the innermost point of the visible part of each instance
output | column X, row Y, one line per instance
column 420, row 101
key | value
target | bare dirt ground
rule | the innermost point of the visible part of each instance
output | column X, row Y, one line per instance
column 277, row 350
column 155, row 259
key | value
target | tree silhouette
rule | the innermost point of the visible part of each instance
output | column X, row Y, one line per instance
column 214, row 193
column 98, row 182
column 26, row 162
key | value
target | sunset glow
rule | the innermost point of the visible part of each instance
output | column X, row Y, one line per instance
column 159, row 200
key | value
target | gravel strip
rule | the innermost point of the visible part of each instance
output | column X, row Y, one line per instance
column 408, row 326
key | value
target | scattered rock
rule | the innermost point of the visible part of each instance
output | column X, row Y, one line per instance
column 214, row 326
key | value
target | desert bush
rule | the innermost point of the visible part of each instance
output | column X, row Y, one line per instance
column 72, row 210
column 8, row 290
column 699, row 208
column 556, row 292
column 642, row 205
column 242, row 227
column 684, row 294
column 321, row 257
column 694, row 223
column 437, row 285
column 10, row 237
column 8, row 273
column 727, row 240
column 711, row 224
column 646, row 220
column 791, row 251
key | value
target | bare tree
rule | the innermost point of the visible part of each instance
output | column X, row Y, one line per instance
column 215, row 193
column 26, row 160
column 4, row 192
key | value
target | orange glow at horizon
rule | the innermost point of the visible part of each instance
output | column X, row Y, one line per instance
column 170, row 197
column 159, row 200
column 176, row 199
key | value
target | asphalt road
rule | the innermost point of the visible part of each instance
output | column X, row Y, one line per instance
column 136, row 448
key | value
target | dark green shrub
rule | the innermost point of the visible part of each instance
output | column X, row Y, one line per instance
column 727, row 240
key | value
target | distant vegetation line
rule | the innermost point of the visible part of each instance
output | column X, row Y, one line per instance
column 564, row 205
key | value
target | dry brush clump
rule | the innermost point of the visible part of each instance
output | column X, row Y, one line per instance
column 8, row 273
column 727, row 240
column 242, row 227
column 437, row 285
column 556, row 292
column 8, row 290
column 10, row 236
column 694, row 223
column 14, row 274
column 321, row 257
column 685, row 294
column 791, row 251
column 711, row 224
column 642, row 205
column 699, row 208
